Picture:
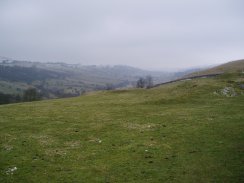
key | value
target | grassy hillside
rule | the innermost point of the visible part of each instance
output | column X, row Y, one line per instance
column 189, row 131
column 230, row 67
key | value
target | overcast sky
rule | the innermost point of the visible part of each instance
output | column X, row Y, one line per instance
column 154, row 34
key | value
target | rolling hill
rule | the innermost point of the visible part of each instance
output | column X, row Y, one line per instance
column 234, row 66
column 187, row 131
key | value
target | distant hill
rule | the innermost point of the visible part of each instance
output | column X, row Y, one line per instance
column 234, row 66
column 57, row 80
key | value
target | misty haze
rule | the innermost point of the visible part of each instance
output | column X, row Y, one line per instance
column 121, row 91
column 147, row 34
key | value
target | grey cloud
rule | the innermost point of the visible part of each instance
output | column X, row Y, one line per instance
column 148, row 34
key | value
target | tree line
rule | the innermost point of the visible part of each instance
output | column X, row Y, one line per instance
column 31, row 94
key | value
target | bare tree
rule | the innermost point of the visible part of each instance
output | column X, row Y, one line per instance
column 149, row 82
column 146, row 82
column 141, row 83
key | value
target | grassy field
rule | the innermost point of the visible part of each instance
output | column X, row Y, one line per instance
column 189, row 131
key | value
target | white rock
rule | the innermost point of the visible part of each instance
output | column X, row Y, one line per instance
column 11, row 170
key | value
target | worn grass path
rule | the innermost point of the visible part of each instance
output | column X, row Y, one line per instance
column 182, row 132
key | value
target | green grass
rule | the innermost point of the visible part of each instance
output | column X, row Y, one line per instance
column 229, row 67
column 181, row 132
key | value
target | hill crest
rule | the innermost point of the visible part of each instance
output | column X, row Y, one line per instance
column 229, row 67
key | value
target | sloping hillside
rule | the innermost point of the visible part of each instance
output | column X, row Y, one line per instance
column 234, row 66
column 188, row 131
